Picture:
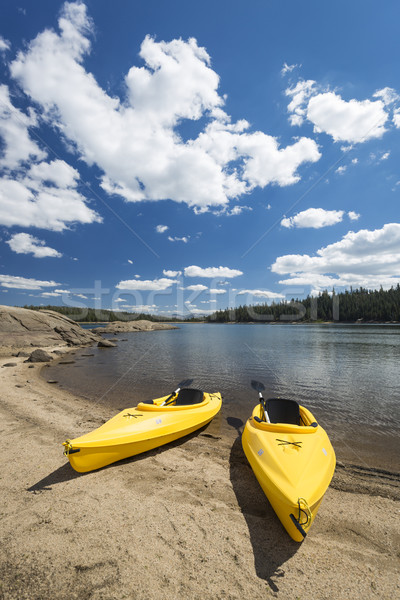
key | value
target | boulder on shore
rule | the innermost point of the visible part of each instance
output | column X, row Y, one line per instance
column 39, row 355
column 24, row 328
column 106, row 344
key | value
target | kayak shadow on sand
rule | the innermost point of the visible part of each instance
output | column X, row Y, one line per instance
column 272, row 546
column 67, row 473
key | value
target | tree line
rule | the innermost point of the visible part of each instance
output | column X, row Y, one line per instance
column 349, row 306
column 95, row 315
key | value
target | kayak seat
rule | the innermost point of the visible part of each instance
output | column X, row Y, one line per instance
column 187, row 396
column 281, row 410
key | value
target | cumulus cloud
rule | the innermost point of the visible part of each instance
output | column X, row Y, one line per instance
column 23, row 243
column 169, row 273
column 14, row 131
column 352, row 121
column 217, row 291
column 353, row 216
column 146, row 284
column 33, row 192
column 364, row 258
column 211, row 272
column 314, row 218
column 24, row 283
column 162, row 228
column 135, row 140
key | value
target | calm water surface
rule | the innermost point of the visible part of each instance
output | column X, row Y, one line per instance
column 347, row 375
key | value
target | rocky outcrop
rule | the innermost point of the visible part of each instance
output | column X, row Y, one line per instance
column 126, row 326
column 24, row 328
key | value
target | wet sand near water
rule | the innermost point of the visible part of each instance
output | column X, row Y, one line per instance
column 188, row 520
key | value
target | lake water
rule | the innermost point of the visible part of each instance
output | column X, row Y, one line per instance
column 347, row 375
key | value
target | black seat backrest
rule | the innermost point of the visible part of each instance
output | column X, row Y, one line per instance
column 188, row 396
column 281, row 410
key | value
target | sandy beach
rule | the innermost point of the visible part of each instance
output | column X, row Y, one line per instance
column 188, row 520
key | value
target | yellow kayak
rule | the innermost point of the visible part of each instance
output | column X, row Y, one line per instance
column 293, row 460
column 149, row 425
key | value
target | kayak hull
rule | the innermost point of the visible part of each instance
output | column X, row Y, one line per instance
column 137, row 430
column 293, row 464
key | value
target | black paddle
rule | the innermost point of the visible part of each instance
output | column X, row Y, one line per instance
column 260, row 387
column 184, row 383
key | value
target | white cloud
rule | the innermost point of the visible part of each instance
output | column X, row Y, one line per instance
column 217, row 291
column 388, row 95
column 148, row 308
column 197, row 288
column 300, row 94
column 261, row 294
column 199, row 311
column 57, row 173
column 130, row 261
column 231, row 212
column 342, row 169
column 146, row 284
column 27, row 203
column 50, row 295
column 364, row 258
column 288, row 68
column 23, row 243
column 14, row 130
column 24, row 283
column 161, row 228
column 4, row 44
column 353, row 216
column 184, row 239
column 172, row 274
column 352, row 121
column 396, row 118
column 211, row 272
column 134, row 141
column 314, row 218
column 35, row 193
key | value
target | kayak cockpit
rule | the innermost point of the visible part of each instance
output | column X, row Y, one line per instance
column 185, row 398
column 285, row 416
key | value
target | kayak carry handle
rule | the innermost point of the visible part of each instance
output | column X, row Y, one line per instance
column 297, row 525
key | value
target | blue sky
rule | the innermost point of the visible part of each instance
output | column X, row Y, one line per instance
column 178, row 157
